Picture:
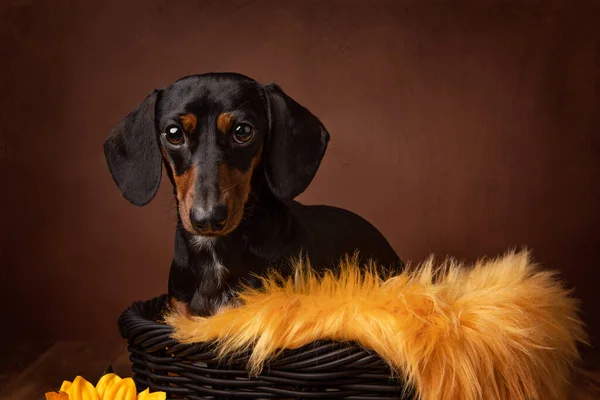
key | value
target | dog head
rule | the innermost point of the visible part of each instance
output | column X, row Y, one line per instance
column 212, row 132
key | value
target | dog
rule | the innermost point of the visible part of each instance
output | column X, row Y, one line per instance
column 237, row 153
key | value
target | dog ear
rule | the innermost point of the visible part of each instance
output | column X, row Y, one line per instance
column 295, row 145
column 133, row 154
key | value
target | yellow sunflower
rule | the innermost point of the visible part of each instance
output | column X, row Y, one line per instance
column 109, row 387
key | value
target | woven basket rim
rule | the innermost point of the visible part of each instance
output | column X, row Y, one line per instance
column 323, row 369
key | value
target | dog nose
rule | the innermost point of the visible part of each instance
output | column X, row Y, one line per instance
column 212, row 220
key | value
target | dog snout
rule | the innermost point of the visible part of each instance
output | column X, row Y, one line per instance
column 210, row 220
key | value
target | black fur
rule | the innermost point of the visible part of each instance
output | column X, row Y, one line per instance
column 296, row 146
column 133, row 155
column 274, row 227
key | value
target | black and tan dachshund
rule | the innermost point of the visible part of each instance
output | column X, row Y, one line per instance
column 237, row 153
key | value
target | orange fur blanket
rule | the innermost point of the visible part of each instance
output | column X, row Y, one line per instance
column 500, row 329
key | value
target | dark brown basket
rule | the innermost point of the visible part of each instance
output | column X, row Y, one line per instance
column 321, row 370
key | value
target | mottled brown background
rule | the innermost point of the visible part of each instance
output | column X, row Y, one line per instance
column 461, row 130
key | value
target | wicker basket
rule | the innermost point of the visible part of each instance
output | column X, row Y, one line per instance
column 321, row 370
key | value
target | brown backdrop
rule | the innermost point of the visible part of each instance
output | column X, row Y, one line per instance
column 460, row 130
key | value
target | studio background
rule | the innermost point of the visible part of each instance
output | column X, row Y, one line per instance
column 460, row 130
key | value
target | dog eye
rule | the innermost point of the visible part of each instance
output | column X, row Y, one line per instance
column 242, row 133
column 174, row 134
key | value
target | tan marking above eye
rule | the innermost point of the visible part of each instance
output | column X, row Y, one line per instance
column 189, row 122
column 224, row 122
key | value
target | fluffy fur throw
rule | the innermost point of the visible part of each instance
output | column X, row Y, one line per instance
column 500, row 329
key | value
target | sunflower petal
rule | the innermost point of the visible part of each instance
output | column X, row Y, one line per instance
column 106, row 382
column 123, row 389
column 82, row 390
column 57, row 396
column 65, row 386
column 146, row 395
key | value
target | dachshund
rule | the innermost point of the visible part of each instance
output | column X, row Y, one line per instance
column 237, row 153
